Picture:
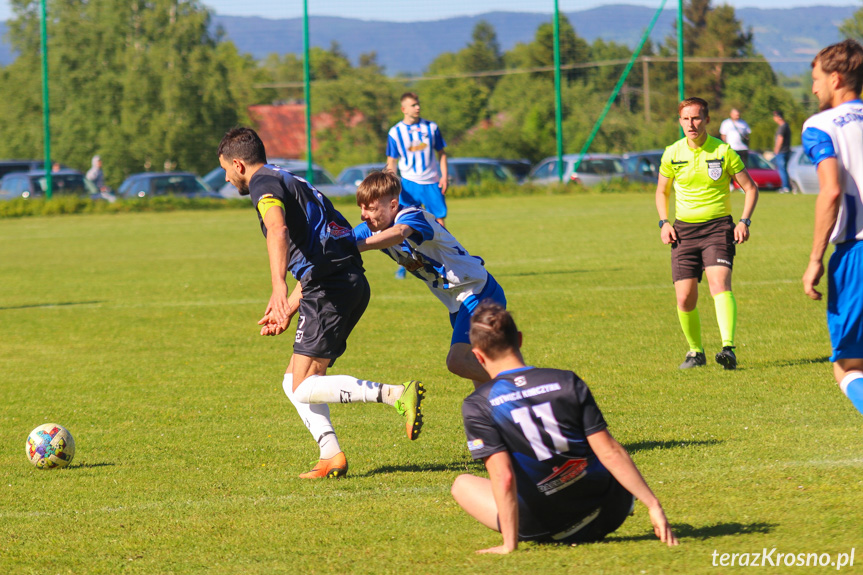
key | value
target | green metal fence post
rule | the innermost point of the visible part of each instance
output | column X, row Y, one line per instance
column 558, row 111
column 46, row 115
column 681, row 91
column 307, row 92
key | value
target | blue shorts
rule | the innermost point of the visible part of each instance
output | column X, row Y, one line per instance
column 845, row 301
column 460, row 320
column 427, row 195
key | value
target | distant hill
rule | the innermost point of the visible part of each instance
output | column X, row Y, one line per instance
column 410, row 47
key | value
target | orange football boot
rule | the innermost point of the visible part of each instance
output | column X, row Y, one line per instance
column 335, row 467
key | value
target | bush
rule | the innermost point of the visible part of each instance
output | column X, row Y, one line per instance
column 76, row 205
column 487, row 188
column 482, row 188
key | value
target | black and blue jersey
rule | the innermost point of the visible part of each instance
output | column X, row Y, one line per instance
column 542, row 417
column 322, row 240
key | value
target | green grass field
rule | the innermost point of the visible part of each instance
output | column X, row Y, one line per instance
column 138, row 333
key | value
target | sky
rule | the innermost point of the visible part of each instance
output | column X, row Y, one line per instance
column 418, row 10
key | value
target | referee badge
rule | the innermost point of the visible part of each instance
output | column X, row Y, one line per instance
column 714, row 169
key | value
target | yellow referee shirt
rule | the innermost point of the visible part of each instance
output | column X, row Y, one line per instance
column 702, row 178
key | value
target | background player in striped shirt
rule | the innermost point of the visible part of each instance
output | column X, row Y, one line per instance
column 555, row 472
column 833, row 140
column 414, row 146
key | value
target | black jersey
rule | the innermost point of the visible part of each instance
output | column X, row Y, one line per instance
column 322, row 241
column 542, row 417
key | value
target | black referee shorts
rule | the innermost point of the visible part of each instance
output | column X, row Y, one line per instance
column 329, row 310
column 702, row 245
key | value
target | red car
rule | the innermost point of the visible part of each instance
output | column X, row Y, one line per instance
column 762, row 172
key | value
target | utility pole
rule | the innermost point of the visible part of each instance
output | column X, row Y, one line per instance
column 645, row 70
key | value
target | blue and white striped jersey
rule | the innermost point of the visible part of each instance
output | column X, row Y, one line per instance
column 838, row 133
column 433, row 255
column 415, row 146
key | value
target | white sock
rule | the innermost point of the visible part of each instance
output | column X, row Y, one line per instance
column 849, row 377
column 317, row 420
column 317, row 389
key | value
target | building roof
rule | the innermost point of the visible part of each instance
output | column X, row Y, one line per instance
column 282, row 128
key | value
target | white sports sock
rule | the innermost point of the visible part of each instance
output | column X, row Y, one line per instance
column 317, row 389
column 317, row 420
column 849, row 377
column 852, row 386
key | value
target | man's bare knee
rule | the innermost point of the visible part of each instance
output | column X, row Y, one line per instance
column 458, row 485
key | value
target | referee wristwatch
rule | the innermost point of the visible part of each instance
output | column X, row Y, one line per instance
column 746, row 221
column 662, row 223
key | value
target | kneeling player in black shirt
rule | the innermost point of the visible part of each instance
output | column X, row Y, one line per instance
column 555, row 473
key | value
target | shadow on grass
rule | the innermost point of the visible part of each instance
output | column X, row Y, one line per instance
column 544, row 273
column 465, row 466
column 686, row 531
column 91, row 465
column 648, row 445
column 61, row 304
column 477, row 466
column 799, row 361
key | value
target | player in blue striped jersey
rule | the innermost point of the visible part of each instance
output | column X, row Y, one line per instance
column 413, row 146
column 833, row 140
column 555, row 473
column 413, row 239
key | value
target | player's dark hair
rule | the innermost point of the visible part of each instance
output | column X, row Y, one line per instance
column 378, row 185
column 694, row 102
column 243, row 144
column 779, row 114
column 492, row 330
column 846, row 58
column 407, row 95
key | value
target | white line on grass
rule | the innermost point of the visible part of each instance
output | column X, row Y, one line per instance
column 421, row 296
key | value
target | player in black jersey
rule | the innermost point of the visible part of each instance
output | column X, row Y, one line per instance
column 555, row 473
column 308, row 237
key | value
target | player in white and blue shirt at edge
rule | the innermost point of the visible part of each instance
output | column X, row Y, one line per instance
column 413, row 146
column 413, row 239
column 833, row 140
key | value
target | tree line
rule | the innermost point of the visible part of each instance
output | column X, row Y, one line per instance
column 145, row 83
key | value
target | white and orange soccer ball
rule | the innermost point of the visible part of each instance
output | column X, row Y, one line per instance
column 49, row 446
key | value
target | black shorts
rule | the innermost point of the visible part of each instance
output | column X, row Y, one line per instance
column 593, row 526
column 701, row 245
column 329, row 310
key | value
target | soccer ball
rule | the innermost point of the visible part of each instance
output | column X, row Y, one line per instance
column 49, row 446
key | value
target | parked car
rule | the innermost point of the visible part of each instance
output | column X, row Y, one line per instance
column 461, row 171
column 150, row 184
column 64, row 182
column 762, row 173
column 353, row 175
column 322, row 179
column 215, row 178
column 10, row 166
column 594, row 168
column 802, row 172
column 642, row 166
column 519, row 168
